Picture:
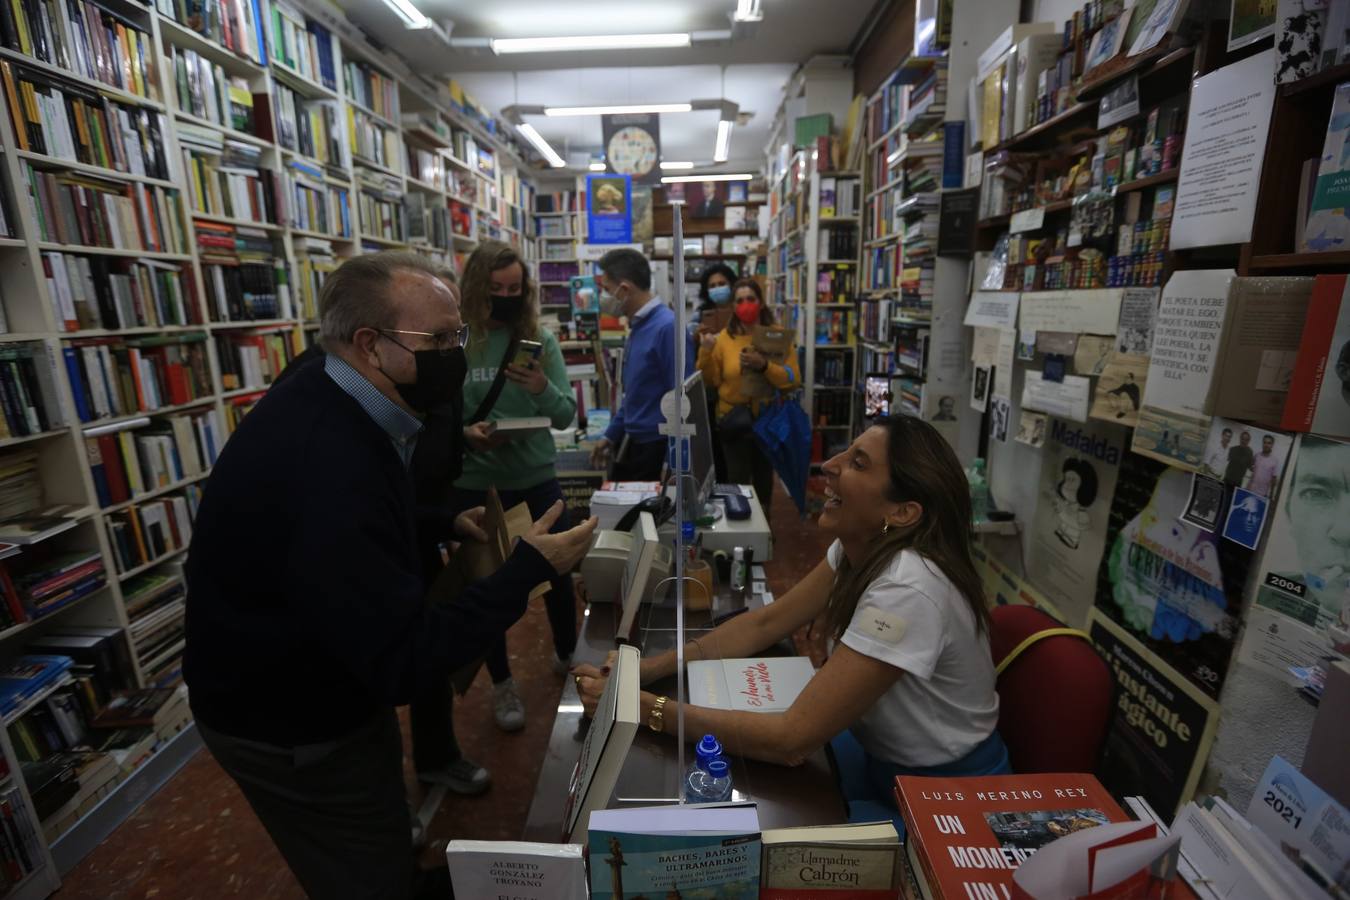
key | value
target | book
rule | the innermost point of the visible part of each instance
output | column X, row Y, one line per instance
column 136, row 708
column 520, row 870
column 966, row 836
column 768, row 684
column 1260, row 344
column 1119, row 861
column 34, row 527
column 863, row 861
column 1319, row 390
column 523, row 426
column 1328, row 225
column 700, row 850
column 27, row 676
column 733, row 218
column 611, row 732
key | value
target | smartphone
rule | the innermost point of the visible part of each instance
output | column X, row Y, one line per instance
column 527, row 353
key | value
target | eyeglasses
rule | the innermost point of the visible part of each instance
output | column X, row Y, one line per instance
column 441, row 341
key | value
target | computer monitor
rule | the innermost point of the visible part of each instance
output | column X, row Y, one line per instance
column 700, row 445
column 638, row 570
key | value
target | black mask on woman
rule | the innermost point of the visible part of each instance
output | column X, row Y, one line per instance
column 508, row 308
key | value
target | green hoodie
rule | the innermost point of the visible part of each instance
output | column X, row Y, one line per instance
column 526, row 461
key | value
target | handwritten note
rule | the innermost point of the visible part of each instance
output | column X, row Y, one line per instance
column 1080, row 311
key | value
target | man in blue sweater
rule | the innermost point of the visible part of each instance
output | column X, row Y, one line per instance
column 633, row 438
column 306, row 615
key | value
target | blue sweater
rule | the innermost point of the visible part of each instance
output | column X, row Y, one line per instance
column 648, row 375
column 306, row 608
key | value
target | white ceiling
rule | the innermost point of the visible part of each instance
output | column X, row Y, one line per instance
column 750, row 70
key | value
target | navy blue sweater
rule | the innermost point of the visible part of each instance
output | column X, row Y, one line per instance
column 306, row 605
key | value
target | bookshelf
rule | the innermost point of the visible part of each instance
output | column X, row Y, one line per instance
column 560, row 226
column 224, row 174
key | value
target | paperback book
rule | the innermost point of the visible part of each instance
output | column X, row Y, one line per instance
column 769, row 684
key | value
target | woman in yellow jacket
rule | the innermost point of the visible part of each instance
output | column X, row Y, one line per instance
column 741, row 376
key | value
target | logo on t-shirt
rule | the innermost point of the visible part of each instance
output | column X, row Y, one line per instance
column 881, row 625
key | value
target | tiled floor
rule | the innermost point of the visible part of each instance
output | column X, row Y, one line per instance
column 197, row 837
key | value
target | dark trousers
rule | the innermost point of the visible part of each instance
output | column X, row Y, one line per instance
column 559, row 602
column 640, row 461
column 431, row 720
column 336, row 811
column 747, row 464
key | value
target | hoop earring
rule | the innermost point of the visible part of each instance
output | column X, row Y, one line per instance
column 885, row 527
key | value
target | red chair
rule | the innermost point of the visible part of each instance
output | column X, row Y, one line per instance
column 1055, row 696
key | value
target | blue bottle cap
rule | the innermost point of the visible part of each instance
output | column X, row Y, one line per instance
column 709, row 746
column 687, row 530
column 718, row 768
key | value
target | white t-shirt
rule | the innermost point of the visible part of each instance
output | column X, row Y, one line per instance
column 944, row 705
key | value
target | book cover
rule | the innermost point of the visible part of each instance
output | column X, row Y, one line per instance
column 1319, row 389
column 769, row 684
column 1328, row 225
column 821, row 862
column 969, row 835
column 733, row 218
column 684, row 851
column 519, row 427
column 607, row 741
column 1261, row 347
column 520, row 870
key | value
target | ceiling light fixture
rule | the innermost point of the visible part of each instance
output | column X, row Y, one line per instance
column 598, row 167
column 411, row 16
column 748, row 11
column 586, row 42
column 617, row 110
column 723, row 148
column 675, row 166
column 537, row 140
column 685, row 179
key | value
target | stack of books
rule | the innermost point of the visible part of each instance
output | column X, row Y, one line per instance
column 50, row 581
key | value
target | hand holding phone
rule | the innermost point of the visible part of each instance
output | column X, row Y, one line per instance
column 527, row 354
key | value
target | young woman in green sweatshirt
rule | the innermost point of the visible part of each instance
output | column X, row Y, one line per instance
column 501, row 309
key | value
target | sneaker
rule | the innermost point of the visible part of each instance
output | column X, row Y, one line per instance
column 461, row 776
column 506, row 706
column 419, row 834
column 562, row 664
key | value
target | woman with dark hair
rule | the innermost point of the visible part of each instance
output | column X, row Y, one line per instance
column 501, row 311
column 909, row 685
column 743, row 378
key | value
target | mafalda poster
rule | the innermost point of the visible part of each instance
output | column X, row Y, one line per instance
column 1174, row 587
column 1078, row 478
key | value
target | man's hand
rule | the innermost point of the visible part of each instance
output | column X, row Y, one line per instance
column 531, row 379
column 477, row 437
column 564, row 550
column 600, row 454
column 469, row 524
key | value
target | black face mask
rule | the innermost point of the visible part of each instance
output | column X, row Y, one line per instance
column 508, row 308
column 440, row 378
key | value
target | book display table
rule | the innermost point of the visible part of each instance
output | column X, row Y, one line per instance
column 787, row 796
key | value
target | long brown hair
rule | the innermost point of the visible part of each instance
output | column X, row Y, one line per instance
column 476, row 289
column 923, row 469
column 735, row 325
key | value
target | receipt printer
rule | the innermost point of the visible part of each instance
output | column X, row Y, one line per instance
column 604, row 565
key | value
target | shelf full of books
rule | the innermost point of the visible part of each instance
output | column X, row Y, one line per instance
column 178, row 182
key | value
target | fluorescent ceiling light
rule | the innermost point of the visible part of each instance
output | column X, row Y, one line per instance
column 681, row 179
column 748, row 11
column 723, row 148
column 586, row 42
column 598, row 167
column 410, row 15
column 541, row 145
column 675, row 166
column 617, row 110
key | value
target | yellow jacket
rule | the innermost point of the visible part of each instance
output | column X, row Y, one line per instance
column 721, row 368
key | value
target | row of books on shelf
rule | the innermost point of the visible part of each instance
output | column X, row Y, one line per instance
column 67, row 121
column 883, row 267
column 149, row 531
column 371, row 140
column 126, row 375
column 313, row 128
column 299, row 43
column 836, row 283
column 426, row 165
column 313, row 204
column 203, row 89
column 20, row 843
column 555, row 202
column 314, row 260
column 227, row 178
column 87, row 211
column 835, row 369
column 126, row 464
column 49, row 581
column 254, row 360
column 244, row 277
column 89, row 292
column 872, row 359
column 874, row 321
column 239, row 25
column 838, row 242
column 28, row 394
column 371, row 88
column 839, row 196
column 84, row 38
column 481, row 159
column 929, row 96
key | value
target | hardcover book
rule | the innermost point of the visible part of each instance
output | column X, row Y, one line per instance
column 968, row 835
column 822, row 862
column 520, row 870
column 1260, row 346
column 769, row 684
column 1319, row 390
column 607, row 741
column 678, row 851
column 1328, row 225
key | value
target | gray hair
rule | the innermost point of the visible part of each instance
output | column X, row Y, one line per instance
column 356, row 294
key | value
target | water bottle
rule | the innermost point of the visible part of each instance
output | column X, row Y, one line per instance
column 979, row 491
column 711, row 786
column 705, row 751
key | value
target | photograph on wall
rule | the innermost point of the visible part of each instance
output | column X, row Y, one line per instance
column 1068, row 532
column 1205, row 508
column 1245, row 456
column 1305, row 568
column 1250, row 21
column 979, row 388
column 1173, row 438
column 946, row 409
column 1092, row 354
column 1120, row 389
column 1000, row 410
column 1138, row 312
column 1175, row 587
column 1031, row 429
column 1162, row 728
column 1246, row 518
column 705, row 200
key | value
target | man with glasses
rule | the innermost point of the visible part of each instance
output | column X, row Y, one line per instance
column 306, row 617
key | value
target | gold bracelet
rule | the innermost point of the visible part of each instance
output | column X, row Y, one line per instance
column 656, row 719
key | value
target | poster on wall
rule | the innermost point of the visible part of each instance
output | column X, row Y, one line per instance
column 633, row 145
column 1175, row 587
column 1163, row 726
column 1003, row 587
column 609, row 209
column 1068, row 532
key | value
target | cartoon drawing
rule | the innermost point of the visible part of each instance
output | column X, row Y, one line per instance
column 1075, row 492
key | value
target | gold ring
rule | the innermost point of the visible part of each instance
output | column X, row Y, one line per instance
column 578, row 681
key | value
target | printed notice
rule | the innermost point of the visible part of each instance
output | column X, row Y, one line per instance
column 992, row 309
column 1067, row 399
column 1225, row 146
column 1186, row 337
column 1079, row 312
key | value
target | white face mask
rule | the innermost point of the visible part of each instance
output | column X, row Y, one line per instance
column 610, row 305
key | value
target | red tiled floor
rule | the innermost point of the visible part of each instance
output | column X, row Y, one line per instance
column 197, row 838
